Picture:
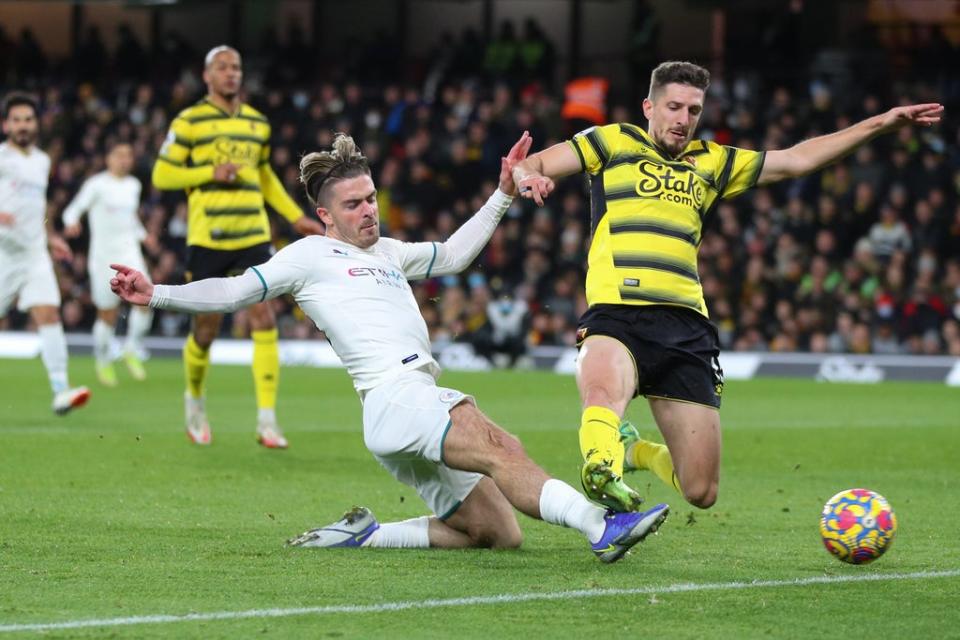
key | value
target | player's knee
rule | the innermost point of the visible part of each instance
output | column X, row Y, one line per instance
column 597, row 395
column 45, row 314
column 506, row 445
column 204, row 336
column 261, row 317
column 497, row 534
column 511, row 539
column 701, row 494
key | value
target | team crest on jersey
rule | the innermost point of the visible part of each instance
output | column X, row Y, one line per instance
column 691, row 160
column 449, row 395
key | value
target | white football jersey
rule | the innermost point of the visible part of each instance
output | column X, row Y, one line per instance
column 361, row 300
column 113, row 204
column 359, row 297
column 23, row 193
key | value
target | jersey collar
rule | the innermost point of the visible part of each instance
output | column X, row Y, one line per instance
column 210, row 102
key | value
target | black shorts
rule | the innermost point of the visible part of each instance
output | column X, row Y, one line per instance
column 214, row 263
column 676, row 350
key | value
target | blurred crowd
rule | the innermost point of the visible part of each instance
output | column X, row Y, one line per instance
column 862, row 257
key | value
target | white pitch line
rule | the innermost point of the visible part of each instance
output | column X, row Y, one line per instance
column 507, row 598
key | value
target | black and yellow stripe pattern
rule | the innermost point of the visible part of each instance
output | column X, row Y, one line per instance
column 648, row 210
column 223, row 216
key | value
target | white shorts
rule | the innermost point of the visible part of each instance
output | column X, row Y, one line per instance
column 29, row 277
column 404, row 424
column 100, row 273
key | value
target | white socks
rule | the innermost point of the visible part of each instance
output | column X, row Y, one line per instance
column 102, row 339
column 138, row 326
column 267, row 415
column 562, row 504
column 409, row 534
column 53, row 352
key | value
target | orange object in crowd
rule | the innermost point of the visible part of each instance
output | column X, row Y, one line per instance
column 586, row 99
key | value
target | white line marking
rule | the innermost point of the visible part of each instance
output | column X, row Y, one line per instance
column 507, row 598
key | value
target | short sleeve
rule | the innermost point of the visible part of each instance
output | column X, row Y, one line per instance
column 737, row 170
column 596, row 146
column 178, row 143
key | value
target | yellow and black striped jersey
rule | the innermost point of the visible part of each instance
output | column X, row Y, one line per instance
column 648, row 210
column 223, row 216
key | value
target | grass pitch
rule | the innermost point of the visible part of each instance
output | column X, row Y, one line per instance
column 110, row 513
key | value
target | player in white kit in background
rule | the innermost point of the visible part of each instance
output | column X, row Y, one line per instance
column 112, row 199
column 26, row 270
column 354, row 286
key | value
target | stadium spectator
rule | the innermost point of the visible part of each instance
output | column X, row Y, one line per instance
column 889, row 234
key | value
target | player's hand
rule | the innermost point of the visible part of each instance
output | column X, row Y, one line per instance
column 73, row 230
column 59, row 249
column 535, row 187
column 925, row 115
column 518, row 152
column 7, row 219
column 307, row 226
column 226, row 172
column 131, row 285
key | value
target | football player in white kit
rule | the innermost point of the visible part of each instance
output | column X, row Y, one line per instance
column 112, row 198
column 26, row 270
column 354, row 285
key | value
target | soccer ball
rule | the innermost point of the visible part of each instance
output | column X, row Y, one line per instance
column 857, row 525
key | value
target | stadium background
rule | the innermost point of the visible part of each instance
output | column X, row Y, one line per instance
column 863, row 257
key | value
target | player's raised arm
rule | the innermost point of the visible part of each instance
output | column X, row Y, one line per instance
column 535, row 175
column 810, row 155
column 463, row 246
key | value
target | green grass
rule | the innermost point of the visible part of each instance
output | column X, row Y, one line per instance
column 110, row 512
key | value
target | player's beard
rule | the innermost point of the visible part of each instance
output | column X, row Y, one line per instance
column 23, row 138
column 672, row 147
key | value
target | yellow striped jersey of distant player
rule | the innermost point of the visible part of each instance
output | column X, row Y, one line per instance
column 223, row 216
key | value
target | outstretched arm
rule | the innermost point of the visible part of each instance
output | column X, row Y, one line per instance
column 816, row 153
column 213, row 295
column 535, row 175
column 463, row 246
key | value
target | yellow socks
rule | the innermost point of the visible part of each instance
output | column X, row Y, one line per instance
column 655, row 457
column 196, row 361
column 266, row 367
column 600, row 437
